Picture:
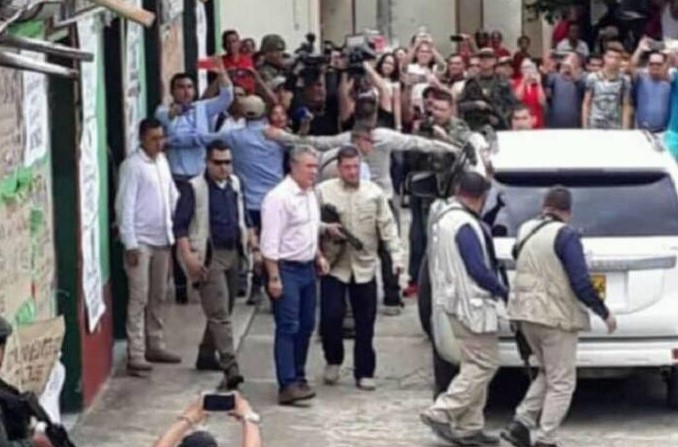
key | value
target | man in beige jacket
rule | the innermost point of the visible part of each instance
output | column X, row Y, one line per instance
column 364, row 211
column 553, row 290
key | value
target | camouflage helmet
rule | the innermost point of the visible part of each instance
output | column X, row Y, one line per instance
column 272, row 42
column 5, row 329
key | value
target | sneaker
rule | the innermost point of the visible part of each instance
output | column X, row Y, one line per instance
column 331, row 376
column 162, row 356
column 367, row 384
column 411, row 291
column 517, row 434
column 392, row 311
column 306, row 391
column 294, row 393
column 438, row 423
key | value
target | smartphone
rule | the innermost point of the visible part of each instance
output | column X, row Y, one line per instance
column 457, row 38
column 219, row 402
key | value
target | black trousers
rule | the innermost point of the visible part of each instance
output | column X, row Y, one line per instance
column 180, row 291
column 390, row 279
column 255, row 219
column 363, row 298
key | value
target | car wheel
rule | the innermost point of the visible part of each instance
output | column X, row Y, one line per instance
column 443, row 373
column 424, row 297
column 672, row 388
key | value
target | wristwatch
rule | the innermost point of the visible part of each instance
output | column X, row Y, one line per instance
column 251, row 417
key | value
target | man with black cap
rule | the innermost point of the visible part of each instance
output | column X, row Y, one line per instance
column 551, row 284
column 14, row 426
column 465, row 280
column 486, row 98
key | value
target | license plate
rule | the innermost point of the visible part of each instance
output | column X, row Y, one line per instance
column 599, row 284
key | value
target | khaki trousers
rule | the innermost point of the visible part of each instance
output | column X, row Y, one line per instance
column 214, row 297
column 551, row 392
column 465, row 398
column 147, row 293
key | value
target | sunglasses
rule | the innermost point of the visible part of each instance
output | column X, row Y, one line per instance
column 222, row 162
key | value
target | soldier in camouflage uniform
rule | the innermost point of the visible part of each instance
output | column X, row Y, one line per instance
column 272, row 48
column 487, row 98
column 14, row 425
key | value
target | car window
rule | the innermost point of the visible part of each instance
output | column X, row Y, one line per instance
column 604, row 203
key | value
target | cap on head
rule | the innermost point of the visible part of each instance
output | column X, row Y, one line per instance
column 253, row 107
column 5, row 329
column 472, row 184
column 506, row 60
column 277, row 82
column 271, row 43
column 199, row 439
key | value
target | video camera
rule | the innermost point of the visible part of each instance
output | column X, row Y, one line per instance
column 357, row 50
column 308, row 65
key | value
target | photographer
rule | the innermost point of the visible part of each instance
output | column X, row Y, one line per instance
column 565, row 93
column 178, row 434
column 529, row 90
column 14, row 426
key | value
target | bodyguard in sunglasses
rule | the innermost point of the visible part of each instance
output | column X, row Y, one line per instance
column 211, row 229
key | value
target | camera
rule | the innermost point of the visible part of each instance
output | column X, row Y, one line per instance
column 426, row 126
column 357, row 50
column 309, row 65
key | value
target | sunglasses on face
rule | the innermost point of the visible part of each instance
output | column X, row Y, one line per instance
column 222, row 162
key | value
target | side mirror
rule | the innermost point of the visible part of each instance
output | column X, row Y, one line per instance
column 422, row 184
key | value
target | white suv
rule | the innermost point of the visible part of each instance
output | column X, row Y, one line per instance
column 625, row 205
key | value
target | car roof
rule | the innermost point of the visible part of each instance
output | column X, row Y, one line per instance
column 578, row 149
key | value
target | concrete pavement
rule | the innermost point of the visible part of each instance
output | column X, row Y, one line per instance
column 133, row 412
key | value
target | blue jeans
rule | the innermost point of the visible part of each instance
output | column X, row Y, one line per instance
column 294, row 314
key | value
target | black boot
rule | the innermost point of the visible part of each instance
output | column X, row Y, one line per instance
column 207, row 361
column 517, row 434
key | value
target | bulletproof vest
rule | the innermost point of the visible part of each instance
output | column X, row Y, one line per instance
column 14, row 416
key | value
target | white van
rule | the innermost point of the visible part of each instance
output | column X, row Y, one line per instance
column 625, row 205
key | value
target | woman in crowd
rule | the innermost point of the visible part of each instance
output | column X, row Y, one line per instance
column 529, row 90
column 387, row 67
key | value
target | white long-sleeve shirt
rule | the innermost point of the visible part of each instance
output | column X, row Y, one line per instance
column 145, row 201
column 290, row 223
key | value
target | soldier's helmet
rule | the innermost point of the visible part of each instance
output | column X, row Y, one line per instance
column 271, row 43
column 5, row 329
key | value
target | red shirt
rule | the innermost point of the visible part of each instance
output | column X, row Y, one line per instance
column 518, row 59
column 240, row 78
column 560, row 32
column 531, row 100
column 501, row 52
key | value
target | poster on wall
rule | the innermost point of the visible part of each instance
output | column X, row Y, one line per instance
column 88, row 35
column 133, row 98
column 36, row 120
column 11, row 121
column 31, row 354
column 201, row 34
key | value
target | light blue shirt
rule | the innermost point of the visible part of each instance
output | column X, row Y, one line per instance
column 186, row 133
column 257, row 160
column 365, row 173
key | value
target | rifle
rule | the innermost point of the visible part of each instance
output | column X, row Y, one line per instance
column 18, row 409
column 330, row 214
column 56, row 433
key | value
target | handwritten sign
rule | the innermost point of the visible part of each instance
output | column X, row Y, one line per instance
column 172, row 61
column 32, row 353
column 89, row 37
column 42, row 243
column 15, row 257
column 36, row 120
column 11, row 121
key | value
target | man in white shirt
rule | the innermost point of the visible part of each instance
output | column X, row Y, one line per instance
column 573, row 44
column 290, row 219
column 144, row 206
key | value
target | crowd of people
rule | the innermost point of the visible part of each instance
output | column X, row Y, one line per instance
column 289, row 170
